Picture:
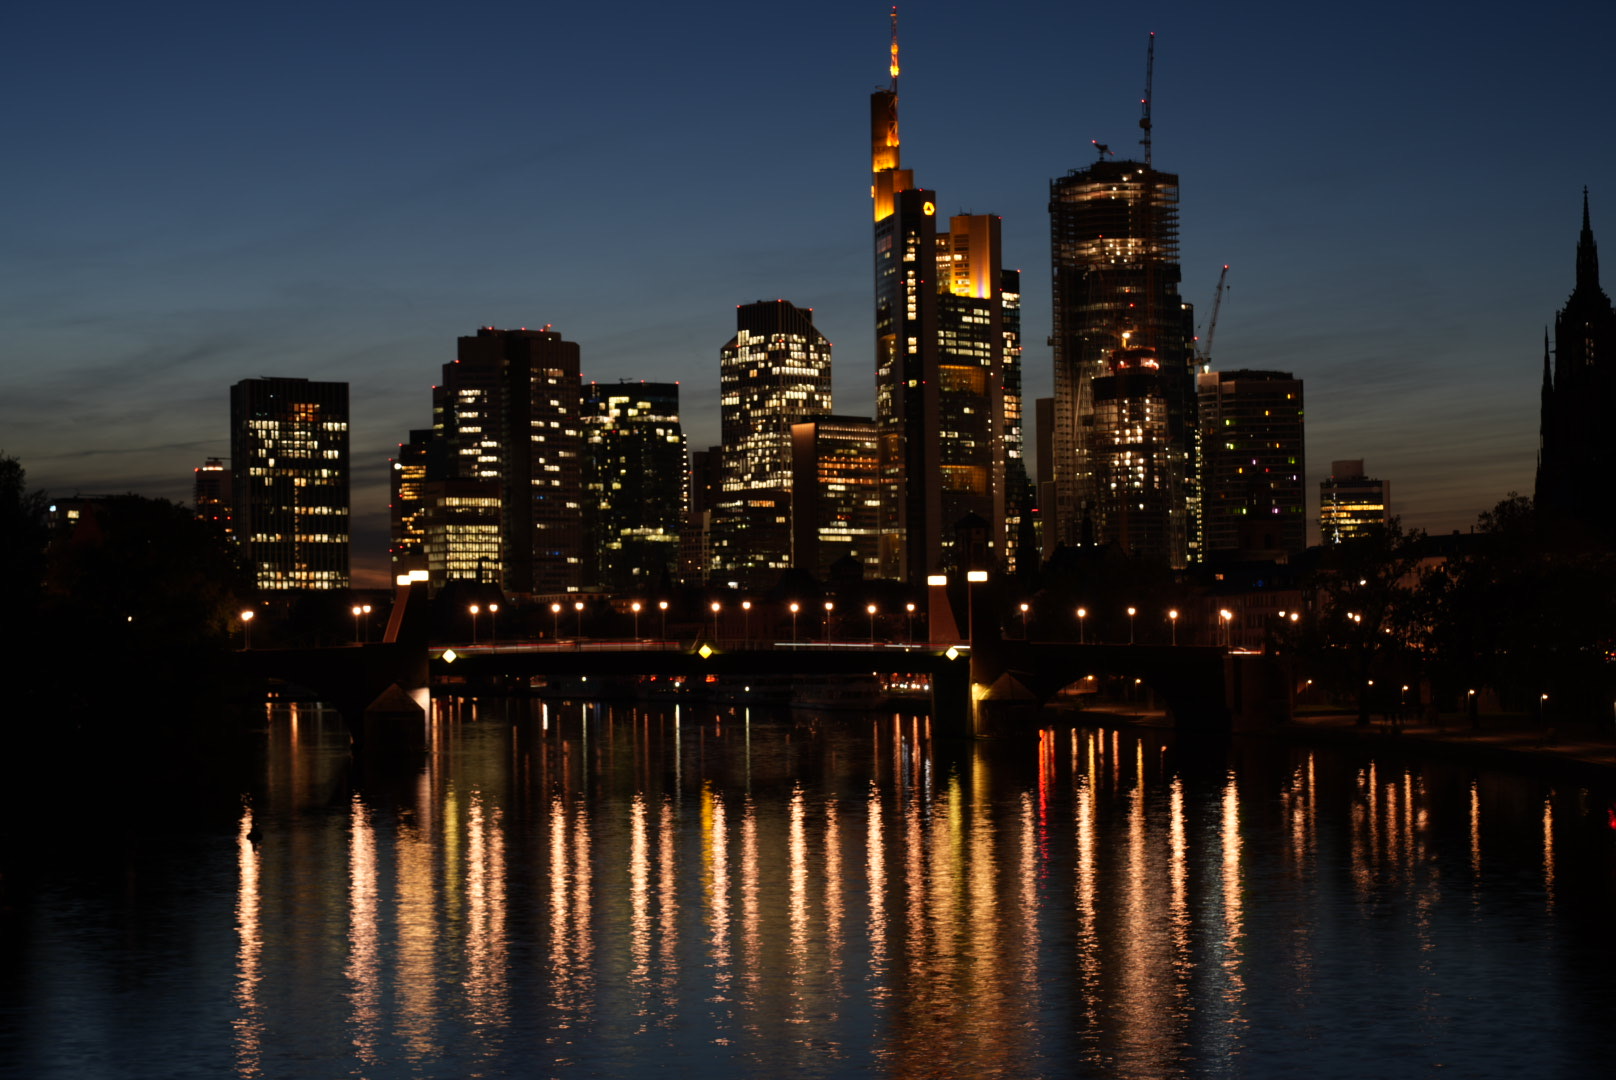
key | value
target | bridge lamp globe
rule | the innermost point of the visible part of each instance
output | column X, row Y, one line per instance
column 1082, row 614
column 1172, row 620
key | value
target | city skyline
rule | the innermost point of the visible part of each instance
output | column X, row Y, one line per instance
column 263, row 194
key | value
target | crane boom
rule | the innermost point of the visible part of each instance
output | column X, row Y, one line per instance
column 1144, row 118
column 1212, row 324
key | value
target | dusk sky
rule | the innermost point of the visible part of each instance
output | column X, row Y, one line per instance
column 200, row 193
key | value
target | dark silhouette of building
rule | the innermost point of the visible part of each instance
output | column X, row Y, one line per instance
column 1351, row 503
column 635, row 475
column 1576, row 452
column 289, row 481
column 948, row 367
column 418, row 461
column 210, row 494
column 1253, row 498
column 1125, row 441
column 774, row 372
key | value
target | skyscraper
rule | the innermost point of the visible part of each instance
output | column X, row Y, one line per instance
column 289, row 481
column 508, row 412
column 210, row 495
column 774, row 372
column 1252, row 450
column 419, row 460
column 1351, row 503
column 835, row 493
column 1125, row 439
column 635, row 476
column 1576, row 452
column 948, row 355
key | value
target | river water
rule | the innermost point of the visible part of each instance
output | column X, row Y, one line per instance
column 613, row 890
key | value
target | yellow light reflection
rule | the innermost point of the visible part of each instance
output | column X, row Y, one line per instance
column 249, row 1021
column 364, row 962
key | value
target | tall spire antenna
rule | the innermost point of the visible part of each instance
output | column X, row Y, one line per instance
column 1150, row 71
column 894, row 65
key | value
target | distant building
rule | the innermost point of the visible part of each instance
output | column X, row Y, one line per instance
column 948, row 367
column 461, row 531
column 419, row 460
column 706, row 485
column 1350, row 502
column 635, row 478
column 289, row 481
column 774, row 372
column 508, row 410
column 1253, row 498
column 1576, row 454
column 210, row 493
column 835, row 494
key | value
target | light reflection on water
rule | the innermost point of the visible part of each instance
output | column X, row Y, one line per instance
column 592, row 890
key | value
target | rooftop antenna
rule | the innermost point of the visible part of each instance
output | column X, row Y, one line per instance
column 1144, row 118
column 894, row 65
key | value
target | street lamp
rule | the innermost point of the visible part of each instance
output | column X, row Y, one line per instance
column 358, row 610
column 635, row 608
column 246, row 627
column 746, row 623
column 972, row 577
column 474, row 609
column 829, row 607
column 555, row 621
column 578, row 608
column 716, row 605
column 1172, row 621
column 1082, row 613
column 1131, row 613
column 662, row 606
column 1227, row 616
column 795, row 607
column 1024, row 621
column 909, row 623
column 870, row 610
column 493, row 623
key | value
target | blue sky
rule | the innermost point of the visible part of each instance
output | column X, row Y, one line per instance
column 199, row 193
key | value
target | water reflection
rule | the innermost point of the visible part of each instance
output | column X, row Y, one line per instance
column 623, row 890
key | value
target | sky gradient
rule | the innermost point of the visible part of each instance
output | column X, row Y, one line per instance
column 199, row 194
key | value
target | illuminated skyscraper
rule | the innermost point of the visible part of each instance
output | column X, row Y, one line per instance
column 774, row 372
column 210, row 496
column 418, row 460
column 1251, row 442
column 508, row 411
column 948, row 355
column 1351, row 503
column 1125, row 438
column 1576, row 455
column 635, row 476
column 289, row 481
column 835, row 494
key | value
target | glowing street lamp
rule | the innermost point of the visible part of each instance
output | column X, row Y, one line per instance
column 829, row 607
column 1131, row 613
column 795, row 607
column 493, row 623
column 716, row 606
column 1023, row 620
column 246, row 627
column 870, row 610
column 635, row 608
column 909, row 623
column 555, row 621
column 578, row 608
column 746, row 623
column 972, row 578
column 474, row 609
column 1172, row 620
column 1227, row 616
column 358, row 610
column 1082, row 614
column 662, row 606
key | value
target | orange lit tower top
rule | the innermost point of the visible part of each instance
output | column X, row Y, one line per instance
column 888, row 178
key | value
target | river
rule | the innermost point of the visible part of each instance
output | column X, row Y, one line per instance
column 620, row 891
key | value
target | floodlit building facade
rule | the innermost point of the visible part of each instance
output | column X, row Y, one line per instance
column 774, row 372
column 1351, row 503
column 948, row 364
column 635, row 478
column 289, row 481
column 1253, row 458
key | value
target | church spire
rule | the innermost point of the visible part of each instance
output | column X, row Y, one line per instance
column 1587, row 253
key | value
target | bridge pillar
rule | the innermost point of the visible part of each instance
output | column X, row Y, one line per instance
column 953, row 712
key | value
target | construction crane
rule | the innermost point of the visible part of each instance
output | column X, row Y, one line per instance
column 1144, row 119
column 1204, row 353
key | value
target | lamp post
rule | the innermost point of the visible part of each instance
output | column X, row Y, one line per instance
column 662, row 606
column 1172, row 621
column 555, row 621
column 1082, row 614
column 829, row 607
column 746, row 623
column 870, row 610
column 246, row 627
column 909, row 623
column 474, row 609
column 1131, row 613
column 358, row 610
column 1227, row 616
column 635, row 607
column 493, row 623
column 1024, row 621
column 795, row 607
column 972, row 577
column 578, row 609
column 716, row 606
